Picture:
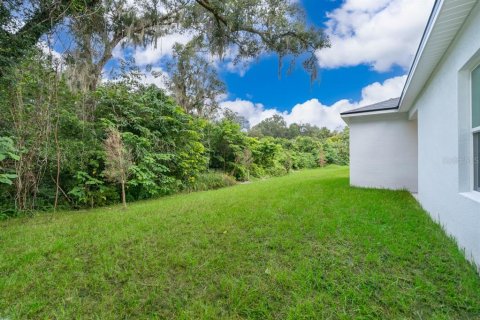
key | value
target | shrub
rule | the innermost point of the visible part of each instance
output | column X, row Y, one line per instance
column 211, row 180
column 276, row 170
column 257, row 171
column 240, row 172
column 305, row 160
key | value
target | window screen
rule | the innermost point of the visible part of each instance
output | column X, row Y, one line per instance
column 476, row 97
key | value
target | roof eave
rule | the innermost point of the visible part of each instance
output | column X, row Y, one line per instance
column 428, row 56
column 368, row 113
column 426, row 34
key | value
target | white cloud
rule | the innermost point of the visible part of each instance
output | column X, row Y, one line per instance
column 227, row 62
column 55, row 56
column 379, row 33
column 377, row 92
column 152, row 53
column 157, row 77
column 315, row 112
column 240, row 68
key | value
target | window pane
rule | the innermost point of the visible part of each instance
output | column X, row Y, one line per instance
column 476, row 160
column 476, row 97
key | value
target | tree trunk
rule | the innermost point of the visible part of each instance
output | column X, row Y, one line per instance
column 57, row 181
column 124, row 198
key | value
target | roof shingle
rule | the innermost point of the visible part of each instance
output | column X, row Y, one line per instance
column 384, row 105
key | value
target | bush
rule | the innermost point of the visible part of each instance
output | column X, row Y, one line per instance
column 305, row 160
column 240, row 172
column 257, row 171
column 212, row 180
column 276, row 170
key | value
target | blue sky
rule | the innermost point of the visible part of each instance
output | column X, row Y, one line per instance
column 261, row 82
column 373, row 45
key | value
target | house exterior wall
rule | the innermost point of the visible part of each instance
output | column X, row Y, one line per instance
column 383, row 151
column 444, row 142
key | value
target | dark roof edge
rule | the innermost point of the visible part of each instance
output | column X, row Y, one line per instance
column 368, row 111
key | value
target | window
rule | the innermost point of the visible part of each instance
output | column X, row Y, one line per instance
column 476, row 127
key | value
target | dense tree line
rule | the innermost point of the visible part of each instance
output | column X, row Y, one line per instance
column 61, row 148
column 70, row 140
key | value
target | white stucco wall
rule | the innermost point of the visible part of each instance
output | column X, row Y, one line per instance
column 444, row 142
column 383, row 151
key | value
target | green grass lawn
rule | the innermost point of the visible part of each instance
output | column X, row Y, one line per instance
column 304, row 246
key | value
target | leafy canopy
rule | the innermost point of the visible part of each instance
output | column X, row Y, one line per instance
column 241, row 30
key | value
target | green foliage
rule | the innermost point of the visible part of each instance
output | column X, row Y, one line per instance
column 245, row 29
column 229, row 148
column 304, row 160
column 23, row 22
column 337, row 148
column 212, row 180
column 56, row 120
column 90, row 191
column 276, row 126
column 166, row 143
column 8, row 153
column 194, row 82
column 60, row 136
column 241, row 156
column 268, row 154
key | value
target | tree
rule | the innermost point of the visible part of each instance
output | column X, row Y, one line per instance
column 118, row 160
column 194, row 82
column 235, row 117
column 38, row 17
column 275, row 126
column 244, row 29
column 28, row 109
column 309, row 130
column 324, row 133
column 165, row 142
column 228, row 146
column 337, row 147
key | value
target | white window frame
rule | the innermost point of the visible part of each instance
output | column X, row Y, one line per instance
column 473, row 132
column 466, row 169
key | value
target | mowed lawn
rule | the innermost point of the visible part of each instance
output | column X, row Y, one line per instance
column 304, row 246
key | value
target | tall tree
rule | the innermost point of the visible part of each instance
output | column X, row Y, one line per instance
column 23, row 22
column 243, row 28
column 194, row 82
column 275, row 126
column 237, row 118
